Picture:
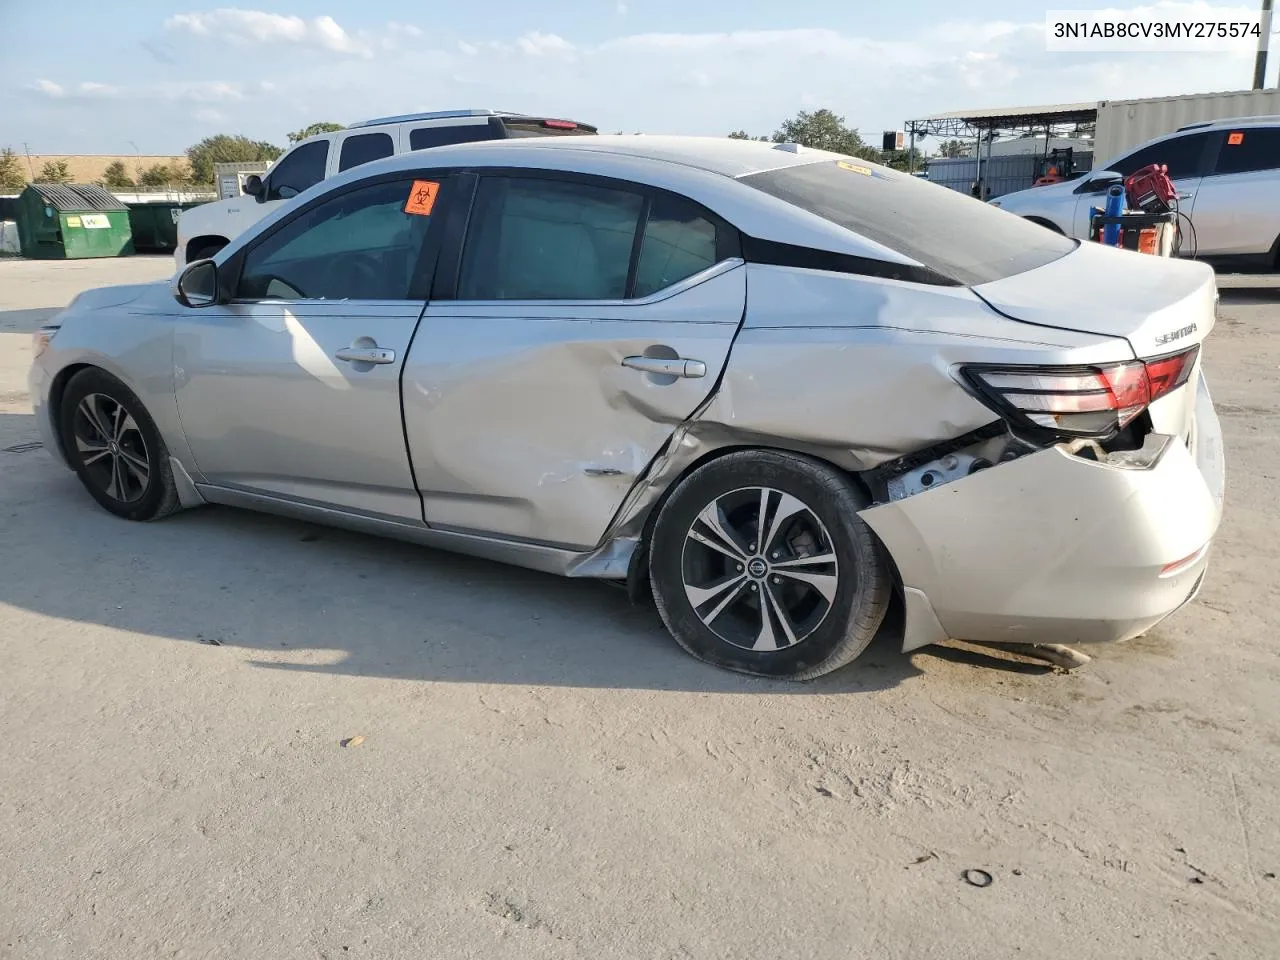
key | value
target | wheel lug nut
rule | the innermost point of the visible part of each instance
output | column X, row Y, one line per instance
column 739, row 567
column 753, row 588
column 777, row 579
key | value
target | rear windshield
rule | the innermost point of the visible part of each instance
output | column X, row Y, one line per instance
column 953, row 234
column 537, row 127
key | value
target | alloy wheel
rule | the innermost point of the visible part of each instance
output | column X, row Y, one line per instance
column 111, row 448
column 760, row 569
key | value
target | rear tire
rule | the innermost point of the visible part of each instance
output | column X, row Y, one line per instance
column 115, row 448
column 797, row 599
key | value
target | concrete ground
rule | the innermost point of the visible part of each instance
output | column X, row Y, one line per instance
column 544, row 774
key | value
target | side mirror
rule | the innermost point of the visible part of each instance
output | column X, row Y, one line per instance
column 254, row 187
column 197, row 285
column 287, row 193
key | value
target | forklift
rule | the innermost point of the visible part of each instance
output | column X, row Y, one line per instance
column 1054, row 167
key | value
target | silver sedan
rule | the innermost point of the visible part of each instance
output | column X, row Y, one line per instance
column 774, row 386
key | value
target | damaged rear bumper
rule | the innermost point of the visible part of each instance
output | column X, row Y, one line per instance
column 1056, row 548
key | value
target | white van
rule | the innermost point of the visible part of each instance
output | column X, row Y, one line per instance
column 206, row 229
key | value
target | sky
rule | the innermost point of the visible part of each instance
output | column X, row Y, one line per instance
column 153, row 77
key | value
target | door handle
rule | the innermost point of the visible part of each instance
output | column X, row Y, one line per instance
column 366, row 355
column 664, row 367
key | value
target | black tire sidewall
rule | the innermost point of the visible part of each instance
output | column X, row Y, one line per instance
column 835, row 502
column 98, row 381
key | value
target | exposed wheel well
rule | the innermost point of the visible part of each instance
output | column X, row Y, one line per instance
column 199, row 244
column 56, row 391
column 1047, row 224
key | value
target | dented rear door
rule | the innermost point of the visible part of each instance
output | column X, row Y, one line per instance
column 524, row 421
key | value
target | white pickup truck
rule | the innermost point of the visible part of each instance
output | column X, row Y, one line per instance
column 206, row 229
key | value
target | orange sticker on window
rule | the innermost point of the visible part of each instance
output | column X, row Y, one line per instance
column 422, row 198
column 1235, row 139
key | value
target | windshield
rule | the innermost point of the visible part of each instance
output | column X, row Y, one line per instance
column 955, row 235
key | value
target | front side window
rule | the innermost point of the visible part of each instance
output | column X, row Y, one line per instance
column 301, row 168
column 536, row 239
column 364, row 147
column 358, row 245
column 950, row 233
column 1249, row 150
column 1182, row 155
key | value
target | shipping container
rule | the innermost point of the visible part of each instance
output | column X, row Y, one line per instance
column 1124, row 124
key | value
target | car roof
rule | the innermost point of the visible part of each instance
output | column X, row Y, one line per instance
column 1261, row 121
column 722, row 155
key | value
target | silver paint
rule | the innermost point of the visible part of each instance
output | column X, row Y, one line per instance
column 545, row 434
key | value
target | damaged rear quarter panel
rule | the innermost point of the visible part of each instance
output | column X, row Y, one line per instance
column 855, row 370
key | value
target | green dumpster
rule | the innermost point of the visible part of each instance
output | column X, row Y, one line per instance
column 155, row 225
column 72, row 221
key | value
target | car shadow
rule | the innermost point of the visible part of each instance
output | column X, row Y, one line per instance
column 301, row 597
column 25, row 321
column 1247, row 295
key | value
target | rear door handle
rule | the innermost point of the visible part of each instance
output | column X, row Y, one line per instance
column 366, row 355
column 663, row 367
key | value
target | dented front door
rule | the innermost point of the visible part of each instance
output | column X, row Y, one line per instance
column 533, row 420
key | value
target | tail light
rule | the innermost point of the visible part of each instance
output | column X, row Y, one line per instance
column 560, row 124
column 1080, row 401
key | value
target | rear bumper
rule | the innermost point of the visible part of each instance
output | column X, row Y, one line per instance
column 1053, row 548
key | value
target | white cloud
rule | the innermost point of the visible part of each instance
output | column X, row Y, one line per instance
column 543, row 44
column 256, row 26
column 48, row 88
column 468, row 48
column 621, row 8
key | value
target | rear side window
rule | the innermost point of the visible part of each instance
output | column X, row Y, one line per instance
column 1184, row 156
column 364, row 147
column 300, row 169
column 425, row 137
column 1244, row 151
column 952, row 234
column 678, row 242
column 534, row 239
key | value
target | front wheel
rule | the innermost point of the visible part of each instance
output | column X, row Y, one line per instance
column 115, row 448
column 760, row 563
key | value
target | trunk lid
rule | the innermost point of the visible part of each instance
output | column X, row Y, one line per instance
column 1160, row 306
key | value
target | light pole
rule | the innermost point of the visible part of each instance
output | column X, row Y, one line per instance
column 1264, row 40
column 137, row 163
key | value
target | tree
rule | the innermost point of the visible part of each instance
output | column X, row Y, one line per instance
column 743, row 135
column 953, row 148
column 226, row 148
column 823, row 130
column 11, row 177
column 903, row 159
column 55, row 171
column 115, row 177
column 312, row 130
column 158, row 175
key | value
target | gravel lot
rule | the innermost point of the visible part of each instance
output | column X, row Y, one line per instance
column 544, row 774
